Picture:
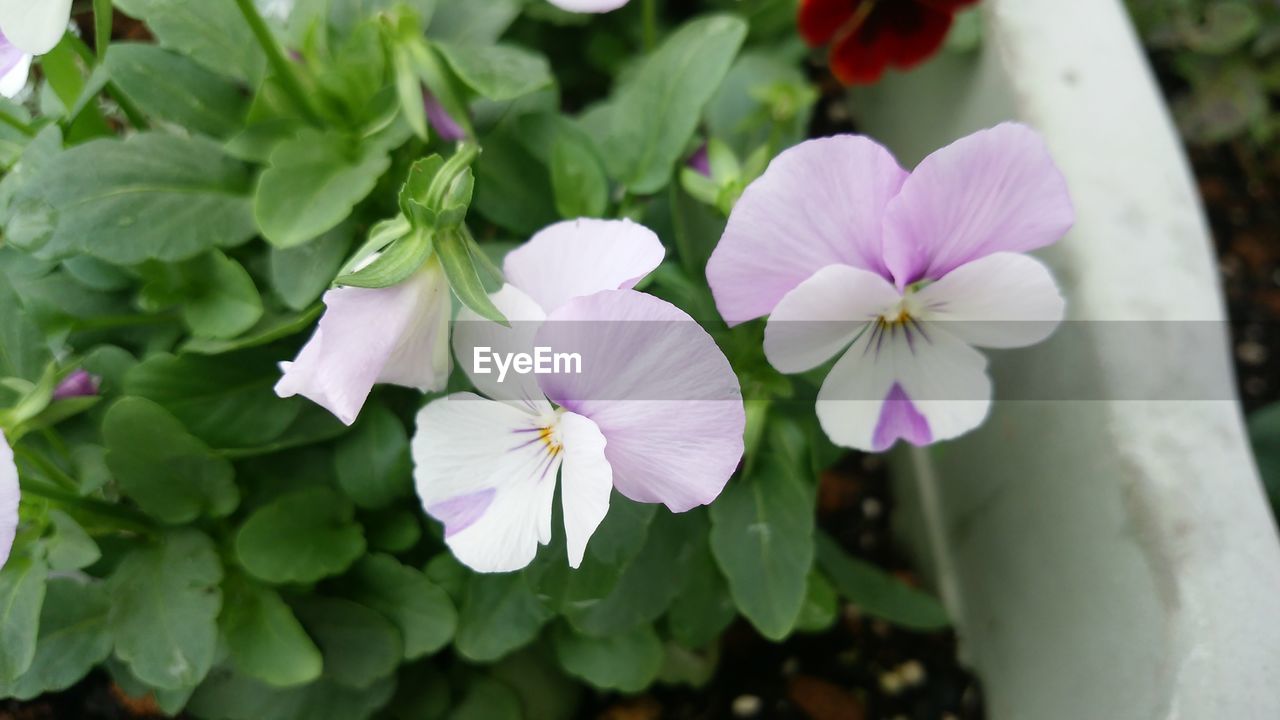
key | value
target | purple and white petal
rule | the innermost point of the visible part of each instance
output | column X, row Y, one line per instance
column 487, row 471
column 9, row 494
column 913, row 382
column 472, row 333
column 819, row 203
column 421, row 355
column 589, row 6
column 35, row 26
column 361, row 331
column 823, row 314
column 15, row 66
column 586, row 482
column 1004, row 300
column 580, row 257
column 996, row 190
column 658, row 387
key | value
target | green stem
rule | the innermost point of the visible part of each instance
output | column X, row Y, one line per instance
column 16, row 124
column 111, row 322
column 127, row 518
column 136, row 117
column 275, row 57
column 650, row 10
column 45, row 466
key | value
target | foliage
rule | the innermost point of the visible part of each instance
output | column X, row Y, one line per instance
column 172, row 214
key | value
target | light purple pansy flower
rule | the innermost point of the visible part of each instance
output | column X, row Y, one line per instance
column 589, row 6
column 79, row 383
column 34, row 26
column 8, row 499
column 656, row 410
column 397, row 335
column 900, row 274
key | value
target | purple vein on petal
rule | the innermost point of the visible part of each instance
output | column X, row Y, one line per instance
column 900, row 420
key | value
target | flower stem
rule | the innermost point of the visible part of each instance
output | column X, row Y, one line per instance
column 650, row 10
column 275, row 57
column 16, row 124
column 126, row 518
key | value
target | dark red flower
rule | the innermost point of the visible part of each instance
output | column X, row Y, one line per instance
column 866, row 36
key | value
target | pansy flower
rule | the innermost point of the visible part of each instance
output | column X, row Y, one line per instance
column 653, row 410
column 8, row 499
column 34, row 26
column 900, row 275
column 397, row 335
column 867, row 36
column 15, row 66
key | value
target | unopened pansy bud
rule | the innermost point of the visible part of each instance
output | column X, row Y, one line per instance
column 78, row 384
column 700, row 161
column 397, row 335
column 9, row 494
column 441, row 121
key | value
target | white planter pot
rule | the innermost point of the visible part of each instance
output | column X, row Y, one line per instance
column 1104, row 559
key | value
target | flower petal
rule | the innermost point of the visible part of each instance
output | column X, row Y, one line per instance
column 996, row 190
column 486, row 471
column 472, row 333
column 1004, row 300
column 820, row 203
column 820, row 20
column 589, row 6
column 586, row 482
column 659, row 389
column 15, row 66
column 362, row 329
column 9, row 494
column 900, row 34
column 823, row 314
column 35, row 26
column 580, row 257
column 896, row 376
column 421, row 355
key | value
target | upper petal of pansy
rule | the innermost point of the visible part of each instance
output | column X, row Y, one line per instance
column 34, row 26
column 820, row 203
column 996, row 190
column 356, row 339
column 579, row 257
column 589, row 6
column 487, row 470
column 472, row 334
column 9, row 494
column 823, row 314
column 658, row 387
column 912, row 382
column 1004, row 300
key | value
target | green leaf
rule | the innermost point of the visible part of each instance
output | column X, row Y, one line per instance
column 225, row 302
column 372, row 462
column 762, row 538
column 400, row 261
column 394, row 530
column 513, row 189
column 22, row 591
column 170, row 701
column 301, row 274
column 301, row 537
column 628, row 662
column 820, row 607
column 498, row 614
column 164, row 609
column 213, row 34
column 227, row 695
column 704, row 608
column 270, row 328
column 1264, row 434
column 23, row 350
column 418, row 607
column 460, row 268
column 151, row 196
column 877, row 593
column 170, row 474
column 497, row 72
column 264, row 638
column 68, row 546
column 647, row 125
column 73, row 639
column 545, row 692
column 360, row 646
column 577, row 177
column 467, row 21
column 314, row 182
column 170, row 87
column 227, row 401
